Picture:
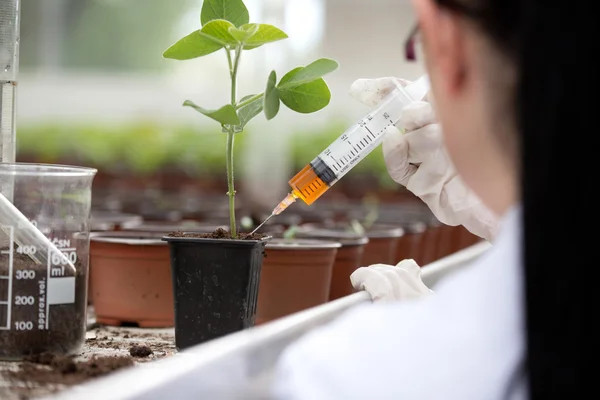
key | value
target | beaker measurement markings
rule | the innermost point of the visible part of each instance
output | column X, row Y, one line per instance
column 66, row 249
column 10, row 230
column 57, row 271
column 27, row 250
column 24, row 300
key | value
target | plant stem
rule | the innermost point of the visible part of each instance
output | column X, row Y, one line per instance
column 230, row 141
column 234, row 71
column 230, row 183
column 229, row 61
column 250, row 100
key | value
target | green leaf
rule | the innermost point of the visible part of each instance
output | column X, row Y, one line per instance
column 305, row 98
column 287, row 77
column 311, row 72
column 271, row 100
column 243, row 33
column 249, row 111
column 218, row 30
column 264, row 34
column 192, row 46
column 291, row 232
column 357, row 228
column 234, row 11
column 226, row 115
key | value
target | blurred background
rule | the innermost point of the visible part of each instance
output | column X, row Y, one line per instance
column 94, row 90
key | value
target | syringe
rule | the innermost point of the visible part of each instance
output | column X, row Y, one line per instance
column 351, row 147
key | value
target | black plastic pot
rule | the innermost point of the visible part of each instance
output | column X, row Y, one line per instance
column 215, row 286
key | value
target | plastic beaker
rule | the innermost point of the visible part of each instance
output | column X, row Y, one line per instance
column 44, row 254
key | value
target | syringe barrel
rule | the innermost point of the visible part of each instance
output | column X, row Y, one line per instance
column 350, row 148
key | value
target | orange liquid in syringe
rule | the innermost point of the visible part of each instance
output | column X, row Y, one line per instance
column 307, row 185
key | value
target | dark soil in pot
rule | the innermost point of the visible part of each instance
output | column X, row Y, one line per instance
column 348, row 258
column 28, row 333
column 131, row 279
column 215, row 282
column 296, row 275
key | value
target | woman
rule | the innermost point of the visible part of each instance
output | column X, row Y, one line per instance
column 510, row 326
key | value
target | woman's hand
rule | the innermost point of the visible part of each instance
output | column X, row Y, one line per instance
column 417, row 159
column 388, row 282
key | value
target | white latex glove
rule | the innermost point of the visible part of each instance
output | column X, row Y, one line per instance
column 388, row 282
column 418, row 160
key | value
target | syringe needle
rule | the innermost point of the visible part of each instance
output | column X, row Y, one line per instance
column 261, row 225
column 285, row 203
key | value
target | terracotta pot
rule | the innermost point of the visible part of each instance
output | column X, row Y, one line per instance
column 432, row 242
column 215, row 282
column 448, row 242
column 347, row 260
column 107, row 221
column 466, row 238
column 409, row 245
column 383, row 244
column 131, row 279
column 158, row 229
column 296, row 275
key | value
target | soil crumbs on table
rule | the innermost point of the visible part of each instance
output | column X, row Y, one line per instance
column 55, row 369
column 106, row 350
column 218, row 234
column 140, row 351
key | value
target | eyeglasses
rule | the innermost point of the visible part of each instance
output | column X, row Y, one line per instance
column 410, row 46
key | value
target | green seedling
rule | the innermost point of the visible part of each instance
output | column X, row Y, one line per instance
column 291, row 232
column 225, row 25
column 371, row 203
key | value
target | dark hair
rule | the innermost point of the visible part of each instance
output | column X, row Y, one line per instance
column 544, row 41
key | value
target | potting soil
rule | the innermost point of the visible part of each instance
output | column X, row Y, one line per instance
column 48, row 368
column 28, row 334
column 220, row 233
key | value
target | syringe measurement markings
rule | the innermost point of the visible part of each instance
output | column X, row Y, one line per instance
column 3, row 303
column 368, row 130
column 4, row 277
column 335, row 161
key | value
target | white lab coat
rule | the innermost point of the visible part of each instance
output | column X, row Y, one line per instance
column 465, row 342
